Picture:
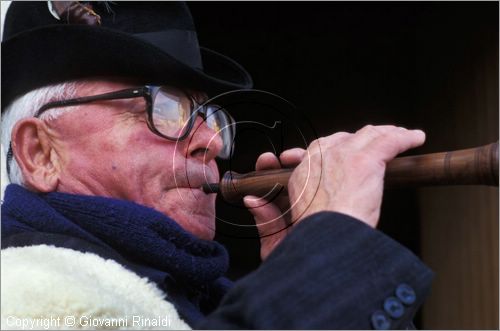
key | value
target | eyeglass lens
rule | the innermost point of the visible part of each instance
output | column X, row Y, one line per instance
column 171, row 112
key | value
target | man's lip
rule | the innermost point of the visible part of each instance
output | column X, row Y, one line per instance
column 196, row 184
column 195, row 178
column 190, row 187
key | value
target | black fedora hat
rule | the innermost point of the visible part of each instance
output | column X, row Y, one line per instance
column 156, row 42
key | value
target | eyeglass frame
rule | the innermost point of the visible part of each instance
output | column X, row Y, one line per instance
column 146, row 91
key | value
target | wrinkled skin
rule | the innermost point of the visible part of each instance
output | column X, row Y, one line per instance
column 343, row 173
column 106, row 149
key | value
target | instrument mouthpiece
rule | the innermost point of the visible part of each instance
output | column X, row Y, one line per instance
column 210, row 188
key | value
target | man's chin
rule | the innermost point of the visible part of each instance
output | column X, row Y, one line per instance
column 193, row 210
column 200, row 227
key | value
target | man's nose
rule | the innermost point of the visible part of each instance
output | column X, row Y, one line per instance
column 203, row 143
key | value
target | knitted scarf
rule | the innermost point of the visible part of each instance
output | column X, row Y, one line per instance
column 134, row 231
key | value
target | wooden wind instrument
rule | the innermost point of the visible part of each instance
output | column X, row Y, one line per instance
column 473, row 166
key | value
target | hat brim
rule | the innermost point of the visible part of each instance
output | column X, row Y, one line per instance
column 58, row 53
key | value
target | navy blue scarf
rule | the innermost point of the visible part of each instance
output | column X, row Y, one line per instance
column 134, row 231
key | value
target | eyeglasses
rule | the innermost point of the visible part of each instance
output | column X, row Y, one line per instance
column 171, row 113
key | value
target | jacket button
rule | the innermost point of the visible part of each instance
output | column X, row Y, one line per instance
column 380, row 321
column 406, row 294
column 394, row 307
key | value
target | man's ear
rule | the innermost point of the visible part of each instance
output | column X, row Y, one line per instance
column 33, row 150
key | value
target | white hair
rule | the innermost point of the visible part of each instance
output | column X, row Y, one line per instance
column 26, row 106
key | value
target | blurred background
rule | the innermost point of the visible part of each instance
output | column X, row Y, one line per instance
column 428, row 65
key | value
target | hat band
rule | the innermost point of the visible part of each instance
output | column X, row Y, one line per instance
column 181, row 44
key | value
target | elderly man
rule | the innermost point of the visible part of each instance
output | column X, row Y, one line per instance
column 104, row 225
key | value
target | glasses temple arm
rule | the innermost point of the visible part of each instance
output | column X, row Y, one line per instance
column 123, row 94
